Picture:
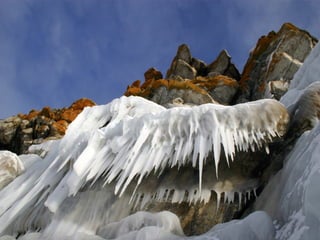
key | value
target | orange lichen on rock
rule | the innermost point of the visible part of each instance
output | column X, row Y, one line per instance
column 152, row 73
column 188, row 84
column 149, row 85
column 69, row 115
column 59, row 118
column 211, row 82
column 72, row 112
column 81, row 103
column 32, row 114
column 262, row 45
column 60, row 126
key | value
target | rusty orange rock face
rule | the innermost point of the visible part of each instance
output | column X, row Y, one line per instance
column 59, row 118
column 60, row 126
column 153, row 73
column 81, row 104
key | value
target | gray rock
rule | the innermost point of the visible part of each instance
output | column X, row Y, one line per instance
column 181, row 65
column 8, row 129
column 199, row 66
column 180, row 68
column 224, row 94
column 166, row 97
column 184, row 53
column 223, row 66
column 276, row 57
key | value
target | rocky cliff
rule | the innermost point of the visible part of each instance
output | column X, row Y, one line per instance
column 267, row 74
column 19, row 132
column 190, row 81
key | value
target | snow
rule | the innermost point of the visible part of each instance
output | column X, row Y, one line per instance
column 10, row 167
column 307, row 74
column 292, row 197
column 112, row 155
column 120, row 144
column 134, row 147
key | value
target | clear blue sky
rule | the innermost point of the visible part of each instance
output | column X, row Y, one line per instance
column 54, row 52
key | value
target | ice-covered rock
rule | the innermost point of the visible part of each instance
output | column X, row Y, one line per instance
column 291, row 197
column 123, row 142
column 10, row 167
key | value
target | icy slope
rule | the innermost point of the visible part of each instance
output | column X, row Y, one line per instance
column 292, row 196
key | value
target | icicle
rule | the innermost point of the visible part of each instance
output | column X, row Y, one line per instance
column 240, row 199
column 218, row 199
column 267, row 149
column 255, row 192
column 141, row 137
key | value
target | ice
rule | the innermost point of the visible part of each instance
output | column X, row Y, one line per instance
column 123, row 142
column 164, row 220
column 10, row 167
column 130, row 152
column 292, row 197
column 179, row 145
column 307, row 74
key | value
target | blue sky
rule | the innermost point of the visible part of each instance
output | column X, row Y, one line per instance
column 55, row 52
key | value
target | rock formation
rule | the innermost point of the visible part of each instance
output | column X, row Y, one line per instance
column 19, row 132
column 267, row 73
column 273, row 63
column 188, row 82
column 190, row 79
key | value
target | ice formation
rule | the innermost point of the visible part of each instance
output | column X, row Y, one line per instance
column 292, row 196
column 111, row 150
column 10, row 167
column 121, row 143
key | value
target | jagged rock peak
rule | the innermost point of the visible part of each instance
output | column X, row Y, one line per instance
column 223, row 66
column 191, row 80
column 184, row 53
column 181, row 65
column 19, row 132
column 274, row 61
